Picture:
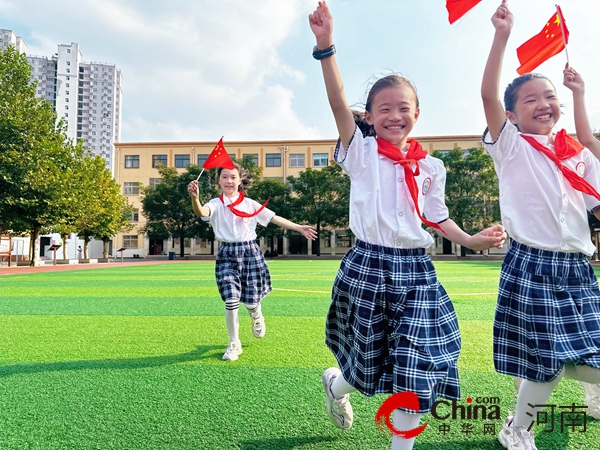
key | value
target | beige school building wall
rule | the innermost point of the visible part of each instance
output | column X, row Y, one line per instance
column 136, row 163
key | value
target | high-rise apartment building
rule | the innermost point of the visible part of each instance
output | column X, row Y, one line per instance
column 88, row 95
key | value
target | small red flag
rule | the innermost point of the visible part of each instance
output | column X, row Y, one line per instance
column 543, row 46
column 458, row 8
column 219, row 158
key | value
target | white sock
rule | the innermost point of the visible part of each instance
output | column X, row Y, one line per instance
column 256, row 312
column 585, row 374
column 532, row 393
column 341, row 387
column 232, row 321
column 403, row 422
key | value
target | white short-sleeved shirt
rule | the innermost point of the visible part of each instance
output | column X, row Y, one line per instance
column 381, row 208
column 539, row 206
column 230, row 228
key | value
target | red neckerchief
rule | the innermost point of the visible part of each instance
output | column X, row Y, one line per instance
column 237, row 212
column 415, row 152
column 565, row 147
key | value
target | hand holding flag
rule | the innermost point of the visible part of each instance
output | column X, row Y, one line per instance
column 549, row 42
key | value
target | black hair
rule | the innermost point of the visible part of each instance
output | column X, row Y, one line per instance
column 387, row 81
column 244, row 177
column 512, row 90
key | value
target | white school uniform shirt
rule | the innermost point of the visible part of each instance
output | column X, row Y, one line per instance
column 539, row 207
column 230, row 228
column 381, row 208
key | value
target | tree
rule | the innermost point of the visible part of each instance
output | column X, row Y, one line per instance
column 35, row 155
column 168, row 209
column 321, row 197
column 471, row 188
column 102, row 211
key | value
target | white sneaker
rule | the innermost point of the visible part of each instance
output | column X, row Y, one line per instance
column 234, row 349
column 338, row 410
column 258, row 326
column 592, row 399
column 516, row 438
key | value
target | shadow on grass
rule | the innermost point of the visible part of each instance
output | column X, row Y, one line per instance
column 128, row 363
column 283, row 443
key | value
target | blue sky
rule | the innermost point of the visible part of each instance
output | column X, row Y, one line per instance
column 242, row 69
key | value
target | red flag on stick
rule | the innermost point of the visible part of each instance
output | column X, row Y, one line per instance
column 458, row 8
column 219, row 158
column 543, row 46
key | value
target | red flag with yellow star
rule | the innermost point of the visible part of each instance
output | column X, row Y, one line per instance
column 458, row 8
column 219, row 158
column 551, row 41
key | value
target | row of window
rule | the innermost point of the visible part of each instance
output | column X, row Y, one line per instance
column 133, row 188
column 271, row 160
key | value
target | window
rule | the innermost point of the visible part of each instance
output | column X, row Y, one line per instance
column 135, row 216
column 202, row 159
column 68, row 63
column 253, row 157
column 159, row 159
column 232, row 156
column 68, row 70
column 273, row 160
column 67, row 84
column 155, row 182
column 130, row 241
column 132, row 161
column 296, row 160
column 320, row 160
column 182, row 160
column 131, row 188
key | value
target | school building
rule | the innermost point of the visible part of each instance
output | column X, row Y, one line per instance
column 137, row 162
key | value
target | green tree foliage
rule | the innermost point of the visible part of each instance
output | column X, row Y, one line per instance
column 48, row 183
column 321, row 197
column 35, row 154
column 168, row 209
column 471, row 188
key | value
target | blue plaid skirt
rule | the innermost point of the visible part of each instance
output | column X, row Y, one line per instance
column 242, row 273
column 548, row 313
column 391, row 325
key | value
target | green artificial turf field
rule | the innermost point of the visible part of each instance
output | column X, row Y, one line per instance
column 130, row 358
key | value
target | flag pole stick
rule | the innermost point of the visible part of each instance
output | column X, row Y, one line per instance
column 202, row 171
column 562, row 29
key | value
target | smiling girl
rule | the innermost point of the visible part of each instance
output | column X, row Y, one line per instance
column 241, row 271
column 391, row 325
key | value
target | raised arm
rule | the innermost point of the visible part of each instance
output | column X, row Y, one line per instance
column 321, row 24
column 199, row 210
column 490, row 86
column 574, row 81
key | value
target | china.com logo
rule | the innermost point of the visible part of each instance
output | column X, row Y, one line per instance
column 482, row 408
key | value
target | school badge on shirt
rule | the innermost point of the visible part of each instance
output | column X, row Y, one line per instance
column 580, row 168
column 426, row 185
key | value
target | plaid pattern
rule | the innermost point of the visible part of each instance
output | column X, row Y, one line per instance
column 242, row 273
column 548, row 313
column 391, row 325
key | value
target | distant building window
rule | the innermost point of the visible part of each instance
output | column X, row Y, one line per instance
column 273, row 159
column 68, row 50
column 131, row 188
column 159, row 159
column 135, row 216
column 130, row 241
column 155, row 182
column 68, row 70
column 132, row 161
column 296, row 160
column 202, row 159
column 253, row 157
column 320, row 160
column 182, row 160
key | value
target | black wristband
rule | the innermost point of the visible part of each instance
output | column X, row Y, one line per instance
column 325, row 53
